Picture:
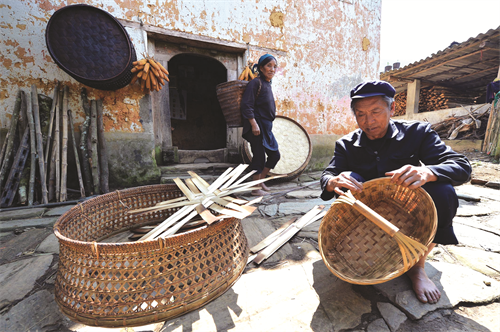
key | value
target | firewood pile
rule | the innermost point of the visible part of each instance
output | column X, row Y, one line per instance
column 435, row 98
column 40, row 149
column 470, row 126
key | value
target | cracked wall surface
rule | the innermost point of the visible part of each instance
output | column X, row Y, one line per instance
column 324, row 48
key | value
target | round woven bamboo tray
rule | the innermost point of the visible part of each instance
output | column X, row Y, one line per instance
column 356, row 250
column 229, row 95
column 91, row 46
column 139, row 283
column 294, row 145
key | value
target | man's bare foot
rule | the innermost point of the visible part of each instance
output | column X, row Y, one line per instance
column 264, row 187
column 425, row 290
column 259, row 192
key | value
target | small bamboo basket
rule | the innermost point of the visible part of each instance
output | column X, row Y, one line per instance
column 359, row 252
column 139, row 283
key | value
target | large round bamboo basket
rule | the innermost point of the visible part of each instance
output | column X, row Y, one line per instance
column 356, row 250
column 295, row 148
column 139, row 283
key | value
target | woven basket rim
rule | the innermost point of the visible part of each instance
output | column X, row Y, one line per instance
column 397, row 272
column 71, row 72
column 117, row 194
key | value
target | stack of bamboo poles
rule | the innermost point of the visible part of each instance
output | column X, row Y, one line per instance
column 435, row 98
column 44, row 179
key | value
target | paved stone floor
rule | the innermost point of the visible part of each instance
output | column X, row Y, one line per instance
column 292, row 290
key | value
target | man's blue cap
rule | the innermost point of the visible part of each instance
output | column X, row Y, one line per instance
column 373, row 88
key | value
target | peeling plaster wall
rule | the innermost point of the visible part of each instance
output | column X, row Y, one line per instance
column 324, row 48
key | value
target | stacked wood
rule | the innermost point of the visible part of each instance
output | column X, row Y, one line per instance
column 463, row 127
column 436, row 98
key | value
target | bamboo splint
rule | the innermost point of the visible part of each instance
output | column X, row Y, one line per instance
column 274, row 241
column 200, row 198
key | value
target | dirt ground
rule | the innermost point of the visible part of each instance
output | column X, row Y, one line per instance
column 484, row 167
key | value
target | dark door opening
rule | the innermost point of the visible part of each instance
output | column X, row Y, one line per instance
column 196, row 117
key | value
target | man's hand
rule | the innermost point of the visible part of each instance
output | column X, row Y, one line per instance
column 344, row 180
column 412, row 177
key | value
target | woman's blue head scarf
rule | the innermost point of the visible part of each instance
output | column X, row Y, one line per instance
column 263, row 60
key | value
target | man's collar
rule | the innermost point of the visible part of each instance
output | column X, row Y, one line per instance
column 392, row 132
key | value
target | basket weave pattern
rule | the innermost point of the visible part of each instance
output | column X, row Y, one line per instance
column 138, row 283
column 358, row 251
column 91, row 46
column 229, row 95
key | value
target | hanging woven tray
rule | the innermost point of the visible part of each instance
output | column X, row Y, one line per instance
column 356, row 250
column 91, row 46
column 139, row 283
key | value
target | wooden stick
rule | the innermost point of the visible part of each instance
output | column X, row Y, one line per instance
column 64, row 144
column 39, row 142
column 93, row 141
column 103, row 151
column 75, row 152
column 10, row 138
column 57, row 137
column 31, row 124
column 51, row 123
column 87, row 174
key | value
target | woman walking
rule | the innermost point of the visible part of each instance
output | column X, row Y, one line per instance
column 258, row 109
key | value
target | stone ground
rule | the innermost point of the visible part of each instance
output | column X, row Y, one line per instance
column 292, row 290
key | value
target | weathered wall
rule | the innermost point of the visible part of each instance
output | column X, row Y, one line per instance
column 324, row 48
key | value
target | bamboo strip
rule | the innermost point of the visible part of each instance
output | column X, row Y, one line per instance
column 64, row 151
column 287, row 234
column 57, row 137
column 185, row 190
column 51, row 124
column 271, row 237
column 167, row 223
column 75, row 152
column 31, row 124
column 172, row 230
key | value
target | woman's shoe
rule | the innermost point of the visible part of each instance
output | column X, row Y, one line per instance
column 259, row 192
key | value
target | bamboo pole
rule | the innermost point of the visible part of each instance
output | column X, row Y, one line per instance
column 57, row 140
column 31, row 124
column 64, row 147
column 103, row 151
column 10, row 139
column 51, row 124
column 75, row 151
column 87, row 175
column 39, row 141
column 93, row 141
column 4, row 147
column 52, row 173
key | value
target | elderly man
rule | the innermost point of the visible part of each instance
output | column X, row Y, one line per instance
column 411, row 153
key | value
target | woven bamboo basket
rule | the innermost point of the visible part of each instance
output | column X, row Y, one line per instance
column 295, row 148
column 359, row 252
column 229, row 95
column 91, row 46
column 139, row 283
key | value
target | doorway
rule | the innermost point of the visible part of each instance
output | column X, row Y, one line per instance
column 196, row 118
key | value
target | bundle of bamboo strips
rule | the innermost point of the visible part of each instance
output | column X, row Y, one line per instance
column 202, row 198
